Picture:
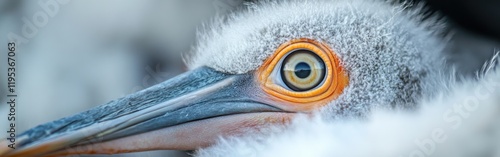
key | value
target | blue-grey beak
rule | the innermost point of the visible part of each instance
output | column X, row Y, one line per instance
column 185, row 112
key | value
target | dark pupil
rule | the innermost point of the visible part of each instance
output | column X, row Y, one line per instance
column 302, row 70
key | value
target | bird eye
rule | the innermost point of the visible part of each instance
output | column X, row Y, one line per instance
column 303, row 72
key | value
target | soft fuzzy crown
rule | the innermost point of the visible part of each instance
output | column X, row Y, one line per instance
column 387, row 50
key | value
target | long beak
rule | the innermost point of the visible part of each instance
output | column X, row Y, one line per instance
column 183, row 113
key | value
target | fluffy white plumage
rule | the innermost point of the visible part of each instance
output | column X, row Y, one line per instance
column 461, row 121
column 394, row 60
column 390, row 54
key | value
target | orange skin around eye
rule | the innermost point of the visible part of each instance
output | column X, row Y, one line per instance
column 335, row 79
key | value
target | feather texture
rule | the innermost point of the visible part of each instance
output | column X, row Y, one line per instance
column 401, row 101
column 461, row 121
column 391, row 54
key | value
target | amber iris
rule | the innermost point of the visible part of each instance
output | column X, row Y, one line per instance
column 302, row 70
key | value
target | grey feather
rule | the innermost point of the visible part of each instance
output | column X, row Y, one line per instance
column 394, row 61
column 390, row 54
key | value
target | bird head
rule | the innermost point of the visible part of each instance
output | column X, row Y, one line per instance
column 257, row 67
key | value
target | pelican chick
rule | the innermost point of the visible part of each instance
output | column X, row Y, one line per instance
column 262, row 67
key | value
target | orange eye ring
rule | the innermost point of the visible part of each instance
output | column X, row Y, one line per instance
column 333, row 84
